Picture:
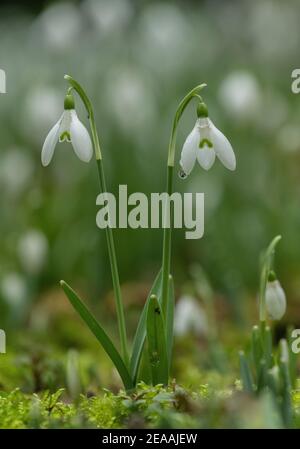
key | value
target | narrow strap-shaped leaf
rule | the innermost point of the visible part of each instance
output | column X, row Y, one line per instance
column 256, row 347
column 273, row 380
column 293, row 356
column 140, row 335
column 246, row 375
column 156, row 338
column 169, row 320
column 262, row 375
column 287, row 407
column 268, row 347
column 99, row 333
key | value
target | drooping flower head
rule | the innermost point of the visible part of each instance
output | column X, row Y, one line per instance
column 189, row 317
column 203, row 144
column 275, row 298
column 68, row 128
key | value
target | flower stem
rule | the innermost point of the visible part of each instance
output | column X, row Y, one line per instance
column 115, row 273
column 166, row 256
column 109, row 235
column 265, row 269
column 167, row 238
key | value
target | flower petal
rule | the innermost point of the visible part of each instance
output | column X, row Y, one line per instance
column 49, row 144
column 64, row 130
column 275, row 300
column 189, row 151
column 206, row 157
column 223, row 148
column 80, row 139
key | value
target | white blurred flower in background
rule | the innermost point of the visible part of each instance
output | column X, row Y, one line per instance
column 240, row 95
column 32, row 251
column 189, row 317
column 110, row 16
column 275, row 299
column 14, row 289
column 60, row 26
column 165, row 34
column 130, row 100
column 42, row 105
column 274, row 29
column 13, row 179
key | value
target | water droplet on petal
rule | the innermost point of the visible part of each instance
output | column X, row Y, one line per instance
column 182, row 174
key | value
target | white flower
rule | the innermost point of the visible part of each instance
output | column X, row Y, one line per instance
column 68, row 128
column 14, row 289
column 189, row 317
column 240, row 95
column 60, row 25
column 203, row 144
column 12, row 158
column 32, row 251
column 275, row 300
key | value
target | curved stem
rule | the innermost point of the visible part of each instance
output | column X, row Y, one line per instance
column 88, row 105
column 109, row 235
column 181, row 107
column 167, row 238
column 266, row 267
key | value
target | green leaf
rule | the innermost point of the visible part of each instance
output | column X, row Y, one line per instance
column 156, row 338
column 287, row 407
column 268, row 346
column 169, row 319
column 293, row 357
column 246, row 375
column 273, row 380
column 256, row 348
column 140, row 335
column 262, row 375
column 99, row 333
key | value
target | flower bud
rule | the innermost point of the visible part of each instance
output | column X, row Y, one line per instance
column 275, row 298
column 202, row 111
column 69, row 102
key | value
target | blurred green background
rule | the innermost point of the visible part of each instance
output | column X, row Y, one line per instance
column 136, row 60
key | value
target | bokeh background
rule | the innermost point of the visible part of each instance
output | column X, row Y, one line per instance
column 136, row 60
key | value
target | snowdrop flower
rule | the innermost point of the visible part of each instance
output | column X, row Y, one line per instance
column 189, row 317
column 203, row 144
column 12, row 158
column 275, row 298
column 32, row 251
column 109, row 17
column 240, row 95
column 14, row 289
column 60, row 25
column 68, row 128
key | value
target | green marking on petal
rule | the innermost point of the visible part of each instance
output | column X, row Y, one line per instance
column 206, row 142
column 65, row 136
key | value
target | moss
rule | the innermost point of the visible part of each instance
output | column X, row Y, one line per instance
column 147, row 407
